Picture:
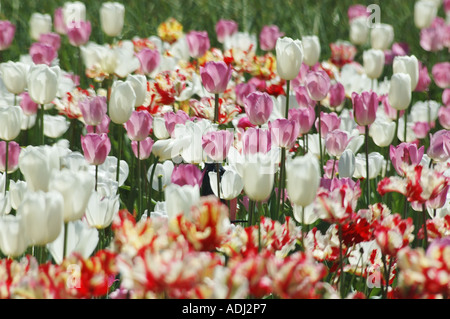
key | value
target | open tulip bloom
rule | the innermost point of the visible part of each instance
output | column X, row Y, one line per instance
column 165, row 166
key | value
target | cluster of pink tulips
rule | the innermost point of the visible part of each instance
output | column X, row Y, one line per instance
column 164, row 167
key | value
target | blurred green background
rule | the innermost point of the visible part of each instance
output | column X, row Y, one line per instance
column 326, row 18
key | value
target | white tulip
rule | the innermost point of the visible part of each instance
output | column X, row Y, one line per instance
column 382, row 132
column 139, row 84
column 14, row 75
column 122, row 102
column 376, row 164
column 400, row 91
column 13, row 238
column 39, row 24
column 112, row 15
column 303, row 179
column 289, row 54
column 305, row 215
column 17, row 191
column 42, row 83
column 373, row 61
column 55, row 125
column 73, row 13
column 231, row 184
column 347, row 164
column 159, row 128
column 311, row 49
column 424, row 13
column 359, row 31
column 162, row 172
column 5, row 203
column 180, row 199
column 168, row 149
column 381, row 36
column 409, row 65
column 11, row 118
column 101, row 210
column 258, row 176
column 109, row 170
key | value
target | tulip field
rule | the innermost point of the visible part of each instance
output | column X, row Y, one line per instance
column 252, row 151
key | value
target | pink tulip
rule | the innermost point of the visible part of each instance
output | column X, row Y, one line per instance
column 13, row 156
column 256, row 140
column 103, row 127
column 7, row 31
column 441, row 74
column 58, row 21
column 444, row 117
column 242, row 90
column 400, row 49
column 149, row 60
column 405, row 154
column 318, row 84
column 446, row 97
column 424, row 78
column 258, row 107
column 29, row 107
column 145, row 148
column 365, row 107
column 432, row 38
column 96, row 148
column 139, row 125
column 198, row 43
column 388, row 109
column 54, row 39
column 93, row 109
column 328, row 122
column 171, row 119
column 225, row 28
column 244, row 123
column 336, row 142
column 439, row 149
column 328, row 169
column 268, row 37
column 421, row 129
column 42, row 53
column 304, row 117
column 302, row 97
column 337, row 94
column 300, row 80
column 215, row 76
column 216, row 144
column 356, row 11
column 284, row 132
column 79, row 33
column 260, row 84
column 187, row 174
column 447, row 6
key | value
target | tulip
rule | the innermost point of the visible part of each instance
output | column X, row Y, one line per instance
column 424, row 13
column 216, row 144
column 43, row 216
column 284, row 132
column 112, row 15
column 167, row 149
column 55, row 125
column 311, row 49
column 439, row 149
column 424, row 80
column 441, row 74
column 190, row 137
column 215, row 76
column 258, row 107
column 79, row 33
column 39, row 24
column 225, row 28
column 373, row 63
column 303, row 178
column 139, row 125
column 381, row 36
column 328, row 122
column 159, row 128
column 258, row 177
column 346, row 165
column 408, row 65
column 162, row 175
column 58, row 21
column 242, row 90
column 357, row 11
column 318, row 84
column 256, row 140
column 432, row 38
column 103, row 127
column 337, row 94
column 145, row 148
column 302, row 97
column 13, row 238
column 359, row 31
column 149, row 60
column 51, row 38
column 376, row 161
column 13, row 156
column 187, row 174
column 181, row 199
column 304, row 117
column 93, row 109
column 231, row 184
column 101, row 210
column 336, row 142
column 17, row 191
column 122, row 102
column 76, row 188
column 421, row 129
column 10, row 122
column 73, row 13
column 400, row 91
column 42, row 83
column 365, row 107
column 382, row 132
column 289, row 54
column 172, row 119
column 268, row 37
column 198, row 43
column 139, row 84
column 405, row 154
column 42, row 53
column 7, row 32
column 14, row 75
column 444, row 117
column 96, row 148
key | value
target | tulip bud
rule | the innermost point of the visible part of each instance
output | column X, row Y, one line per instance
column 284, row 132
column 216, row 144
column 10, row 122
column 103, row 127
column 373, row 61
column 139, row 125
column 13, row 238
column 215, row 76
column 381, row 36
column 441, row 74
column 149, row 60
column 302, row 97
column 304, row 117
column 409, row 65
column 365, row 107
column 42, row 83
column 257, row 176
column 14, row 75
column 39, row 24
column 303, row 179
column 187, row 174
column 73, row 13
column 145, row 148
column 96, row 148
column 122, row 102
column 376, row 164
column 258, row 107
column 58, row 21
column 424, row 13
column 198, row 43
column 112, row 15
column 101, row 210
column 318, row 84
column 139, row 84
column 382, row 132
column 13, row 156
column 182, row 198
column 268, row 37
column 162, row 172
column 242, row 90
column 311, row 49
column 439, row 149
column 79, row 33
column 7, row 31
column 256, row 140
column 337, row 94
column 399, row 96
column 93, row 109
column 359, row 31
column 336, row 142
column 159, row 128
column 289, row 54
column 172, row 119
column 346, row 165
column 225, row 29
column 444, row 117
column 42, row 53
column 424, row 78
column 231, row 184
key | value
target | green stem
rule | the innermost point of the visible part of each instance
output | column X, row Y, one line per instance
column 216, row 108
column 41, row 122
column 149, row 199
column 96, row 177
column 367, row 165
column 218, row 179
column 332, row 171
column 396, row 127
column 119, row 154
column 139, row 181
column 281, row 184
column 425, row 231
column 320, row 139
column 406, row 126
column 65, row 240
column 251, row 207
column 288, row 84
column 341, row 264
column 6, row 165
